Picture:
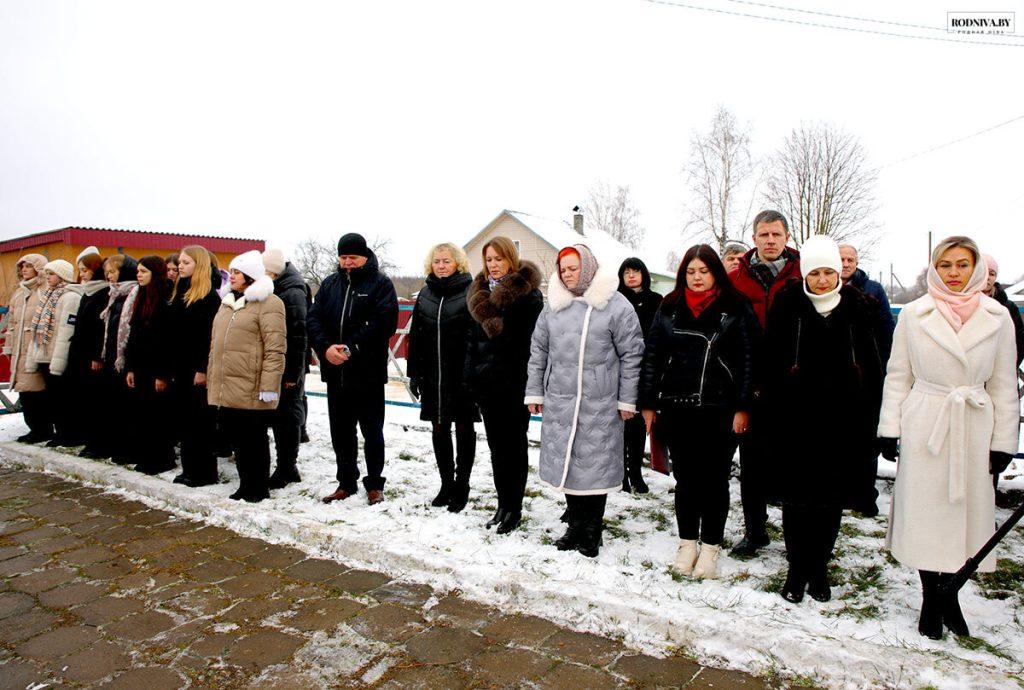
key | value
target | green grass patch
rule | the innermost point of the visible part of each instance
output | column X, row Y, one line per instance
column 406, row 455
column 862, row 580
column 976, row 644
column 774, row 583
column 1006, row 581
column 850, row 530
column 861, row 613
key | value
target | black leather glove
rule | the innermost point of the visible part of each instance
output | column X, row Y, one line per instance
column 889, row 447
column 414, row 388
column 998, row 462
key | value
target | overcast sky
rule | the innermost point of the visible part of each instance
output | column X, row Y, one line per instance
column 420, row 121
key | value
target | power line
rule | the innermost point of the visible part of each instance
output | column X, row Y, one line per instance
column 716, row 10
column 852, row 18
column 950, row 143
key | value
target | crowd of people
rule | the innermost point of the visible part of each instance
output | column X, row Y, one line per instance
column 791, row 357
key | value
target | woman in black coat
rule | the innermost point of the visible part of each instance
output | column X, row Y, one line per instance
column 635, row 285
column 148, row 366
column 823, row 386
column 697, row 379
column 505, row 301
column 194, row 304
column 85, row 370
column 440, row 330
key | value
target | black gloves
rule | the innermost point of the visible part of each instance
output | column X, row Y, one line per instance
column 998, row 462
column 889, row 447
column 414, row 388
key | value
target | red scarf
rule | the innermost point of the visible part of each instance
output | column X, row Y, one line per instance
column 699, row 301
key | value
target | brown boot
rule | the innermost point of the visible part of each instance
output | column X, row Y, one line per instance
column 339, row 495
column 374, row 497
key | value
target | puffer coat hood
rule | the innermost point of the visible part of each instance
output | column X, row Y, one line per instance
column 584, row 368
column 248, row 349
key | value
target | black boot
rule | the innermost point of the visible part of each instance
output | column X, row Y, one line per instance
column 952, row 616
column 460, row 497
column 796, row 583
column 444, row 496
column 750, row 545
column 499, row 516
column 625, row 483
column 510, row 521
column 930, row 623
column 571, row 539
column 817, row 582
column 590, row 537
column 636, row 478
column 283, row 476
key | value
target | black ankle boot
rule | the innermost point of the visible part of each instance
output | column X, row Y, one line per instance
column 283, row 476
column 444, row 496
column 952, row 616
column 817, row 583
column 796, row 583
column 499, row 515
column 930, row 623
column 636, row 478
column 590, row 536
column 460, row 497
column 571, row 539
column 510, row 521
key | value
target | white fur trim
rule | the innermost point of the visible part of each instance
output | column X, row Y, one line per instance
column 626, row 407
column 533, row 400
column 261, row 288
column 598, row 295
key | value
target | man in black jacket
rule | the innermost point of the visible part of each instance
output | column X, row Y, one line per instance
column 353, row 317
column 290, row 413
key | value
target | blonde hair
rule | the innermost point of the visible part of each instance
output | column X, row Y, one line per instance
column 461, row 260
column 505, row 248
column 954, row 242
column 201, row 283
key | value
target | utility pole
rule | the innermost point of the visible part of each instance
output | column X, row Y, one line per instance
column 928, row 262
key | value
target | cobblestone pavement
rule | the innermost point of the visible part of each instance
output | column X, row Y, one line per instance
column 98, row 591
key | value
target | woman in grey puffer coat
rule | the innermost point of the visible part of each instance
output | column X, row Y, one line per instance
column 583, row 375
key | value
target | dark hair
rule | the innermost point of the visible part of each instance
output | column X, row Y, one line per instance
column 157, row 290
column 172, row 258
column 710, row 258
column 634, row 264
column 770, row 216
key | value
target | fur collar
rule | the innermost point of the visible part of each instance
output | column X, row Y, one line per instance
column 600, row 292
column 261, row 289
column 486, row 306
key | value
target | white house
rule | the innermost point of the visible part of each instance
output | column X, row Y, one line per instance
column 539, row 239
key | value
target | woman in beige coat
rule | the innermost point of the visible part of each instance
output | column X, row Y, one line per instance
column 950, row 400
column 29, row 385
column 243, row 379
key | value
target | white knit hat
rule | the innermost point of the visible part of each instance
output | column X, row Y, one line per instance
column 250, row 263
column 273, row 261
column 88, row 251
column 62, row 268
column 820, row 251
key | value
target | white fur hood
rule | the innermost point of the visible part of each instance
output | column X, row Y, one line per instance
column 598, row 295
column 261, row 289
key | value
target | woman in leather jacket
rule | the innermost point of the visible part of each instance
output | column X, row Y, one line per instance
column 697, row 380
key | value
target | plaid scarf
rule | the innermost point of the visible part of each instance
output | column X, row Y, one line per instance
column 767, row 271
column 130, row 288
column 44, row 321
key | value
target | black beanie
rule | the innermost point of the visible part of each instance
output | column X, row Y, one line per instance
column 353, row 244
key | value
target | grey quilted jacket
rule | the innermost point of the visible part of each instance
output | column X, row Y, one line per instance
column 584, row 367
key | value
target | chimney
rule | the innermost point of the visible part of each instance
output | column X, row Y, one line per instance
column 577, row 219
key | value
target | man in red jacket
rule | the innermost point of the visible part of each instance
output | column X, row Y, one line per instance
column 760, row 275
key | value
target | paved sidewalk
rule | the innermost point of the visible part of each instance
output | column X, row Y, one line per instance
column 98, row 591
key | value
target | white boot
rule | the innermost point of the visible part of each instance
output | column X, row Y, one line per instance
column 686, row 556
column 707, row 564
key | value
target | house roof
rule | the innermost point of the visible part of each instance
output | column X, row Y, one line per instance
column 559, row 234
column 102, row 237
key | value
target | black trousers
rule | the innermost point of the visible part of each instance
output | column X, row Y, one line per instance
column 868, row 493
column 246, row 431
column 634, row 441
column 57, row 392
column 754, row 478
column 702, row 445
column 35, row 408
column 810, row 531
column 347, row 407
column 506, row 422
column 289, row 417
column 582, row 508
column 197, row 431
column 153, row 429
column 454, row 464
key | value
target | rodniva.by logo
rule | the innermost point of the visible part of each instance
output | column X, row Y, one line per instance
column 980, row 22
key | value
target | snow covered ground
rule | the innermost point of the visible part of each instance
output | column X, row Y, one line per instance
column 865, row 637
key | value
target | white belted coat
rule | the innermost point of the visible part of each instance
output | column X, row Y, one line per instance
column 950, row 398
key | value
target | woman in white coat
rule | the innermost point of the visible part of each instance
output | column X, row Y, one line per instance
column 950, row 400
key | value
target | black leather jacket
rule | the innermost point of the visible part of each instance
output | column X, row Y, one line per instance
column 704, row 361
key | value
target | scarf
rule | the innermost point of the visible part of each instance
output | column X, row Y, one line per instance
column 44, row 320
column 588, row 267
column 117, row 290
column 699, row 301
column 774, row 267
column 824, row 304
column 958, row 307
column 494, row 282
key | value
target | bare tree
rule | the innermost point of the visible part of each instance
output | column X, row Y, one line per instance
column 719, row 167
column 672, row 261
column 820, row 180
column 381, row 248
column 314, row 259
column 614, row 213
